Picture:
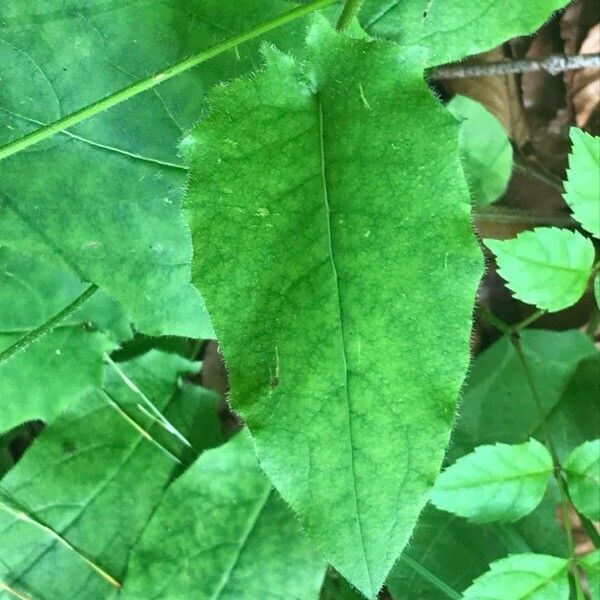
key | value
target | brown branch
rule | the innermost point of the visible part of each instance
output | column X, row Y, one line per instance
column 554, row 64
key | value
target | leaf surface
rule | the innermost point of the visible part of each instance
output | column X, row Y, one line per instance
column 113, row 182
column 547, row 267
column 225, row 521
column 582, row 468
column 591, row 564
column 454, row 29
column 582, row 187
column 485, row 149
column 318, row 244
column 498, row 405
column 523, row 577
column 92, row 480
column 495, row 483
column 66, row 363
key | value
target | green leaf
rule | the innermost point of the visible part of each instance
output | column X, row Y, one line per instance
column 523, row 577
column 547, row 267
column 454, row 29
column 582, row 187
column 498, row 405
column 225, row 521
column 337, row 588
column 114, row 182
column 591, row 564
column 485, row 149
column 66, row 363
column 319, row 281
column 495, row 483
column 93, row 481
column 582, row 469
column 597, row 289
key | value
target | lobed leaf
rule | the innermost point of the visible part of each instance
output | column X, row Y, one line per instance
column 82, row 494
column 224, row 521
column 547, row 267
column 454, row 29
column 485, row 149
column 582, row 469
column 582, row 187
column 523, row 577
column 495, row 483
column 318, row 242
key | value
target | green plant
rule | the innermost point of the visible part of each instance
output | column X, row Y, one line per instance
column 290, row 186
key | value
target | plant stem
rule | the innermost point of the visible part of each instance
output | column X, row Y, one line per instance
column 539, row 175
column 350, row 10
column 44, row 328
column 529, row 320
column 554, row 64
column 145, row 84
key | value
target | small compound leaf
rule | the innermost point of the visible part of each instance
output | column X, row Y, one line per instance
column 523, row 577
column 92, row 479
column 313, row 275
column 582, row 469
column 547, row 267
column 485, row 149
column 591, row 564
column 229, row 536
column 495, row 483
column 454, row 29
column 582, row 187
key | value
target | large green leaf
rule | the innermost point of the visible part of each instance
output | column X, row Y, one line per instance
column 230, row 536
column 582, row 469
column 548, row 267
column 523, row 577
column 495, row 483
column 485, row 149
column 92, row 481
column 582, row 188
column 66, row 363
column 454, row 29
column 322, row 250
column 498, row 405
column 104, row 198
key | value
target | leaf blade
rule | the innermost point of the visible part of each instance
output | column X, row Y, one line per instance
column 582, row 468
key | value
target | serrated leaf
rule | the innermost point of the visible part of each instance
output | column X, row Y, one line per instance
column 582, row 469
column 582, row 187
column 114, row 182
column 498, row 405
column 547, row 267
column 65, row 364
column 495, row 483
column 94, row 481
column 454, row 29
column 591, row 563
column 485, row 149
column 225, row 521
column 523, row 577
column 319, row 277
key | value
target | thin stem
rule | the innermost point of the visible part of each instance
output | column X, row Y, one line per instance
column 554, row 64
column 145, row 84
column 529, row 320
column 350, row 10
column 539, row 175
column 44, row 328
column 491, row 318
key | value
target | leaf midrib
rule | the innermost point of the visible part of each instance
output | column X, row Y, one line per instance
column 323, row 162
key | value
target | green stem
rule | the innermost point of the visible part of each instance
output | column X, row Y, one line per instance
column 145, row 84
column 350, row 10
column 539, row 175
column 44, row 328
column 529, row 320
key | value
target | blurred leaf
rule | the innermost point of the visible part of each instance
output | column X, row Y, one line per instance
column 591, row 564
column 495, row 483
column 224, row 521
column 582, row 469
column 582, row 187
column 486, row 151
column 523, row 577
column 547, row 267
column 454, row 29
column 351, row 279
column 93, row 481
